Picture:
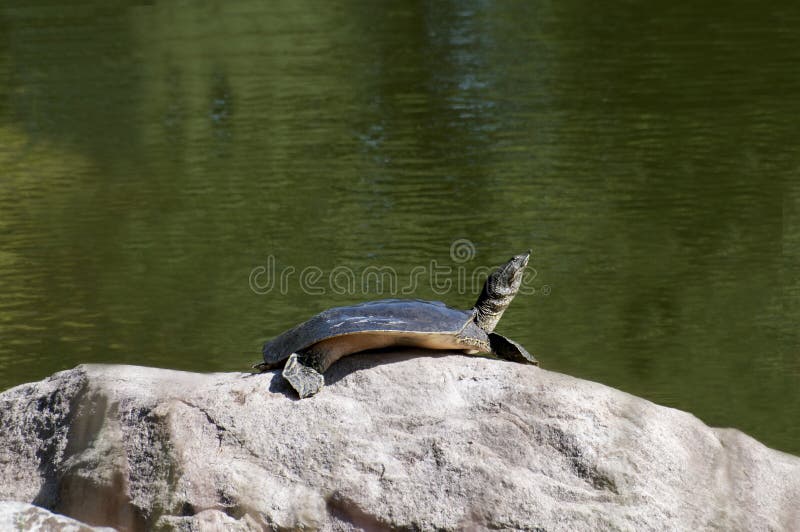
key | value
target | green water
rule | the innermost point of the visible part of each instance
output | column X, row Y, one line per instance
column 152, row 157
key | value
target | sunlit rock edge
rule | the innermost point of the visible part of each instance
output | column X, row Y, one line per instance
column 27, row 517
column 392, row 441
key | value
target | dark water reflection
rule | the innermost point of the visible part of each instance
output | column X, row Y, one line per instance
column 152, row 156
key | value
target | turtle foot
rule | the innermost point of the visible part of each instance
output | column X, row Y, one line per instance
column 508, row 349
column 307, row 381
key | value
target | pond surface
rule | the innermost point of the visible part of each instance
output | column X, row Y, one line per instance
column 169, row 171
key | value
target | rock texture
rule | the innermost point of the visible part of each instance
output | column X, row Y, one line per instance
column 392, row 441
column 26, row 517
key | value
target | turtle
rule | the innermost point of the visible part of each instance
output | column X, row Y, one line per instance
column 311, row 347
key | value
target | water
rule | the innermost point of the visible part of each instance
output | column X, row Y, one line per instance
column 153, row 156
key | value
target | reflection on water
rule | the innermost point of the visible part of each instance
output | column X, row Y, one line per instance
column 152, row 156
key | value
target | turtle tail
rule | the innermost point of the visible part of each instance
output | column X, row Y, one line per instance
column 264, row 366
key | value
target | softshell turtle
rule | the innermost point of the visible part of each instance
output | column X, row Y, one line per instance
column 314, row 345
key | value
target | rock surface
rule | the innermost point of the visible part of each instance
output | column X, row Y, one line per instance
column 29, row 518
column 392, row 441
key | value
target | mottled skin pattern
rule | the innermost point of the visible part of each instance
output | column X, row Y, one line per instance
column 311, row 347
column 498, row 291
column 305, row 376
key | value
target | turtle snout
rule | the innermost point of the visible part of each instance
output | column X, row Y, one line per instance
column 522, row 259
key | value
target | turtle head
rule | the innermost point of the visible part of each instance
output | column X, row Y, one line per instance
column 500, row 288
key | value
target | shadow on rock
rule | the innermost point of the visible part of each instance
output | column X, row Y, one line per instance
column 372, row 359
column 277, row 384
column 280, row 385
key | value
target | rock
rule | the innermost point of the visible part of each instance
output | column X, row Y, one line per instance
column 29, row 518
column 392, row 441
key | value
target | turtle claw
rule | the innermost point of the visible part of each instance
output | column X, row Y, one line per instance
column 307, row 381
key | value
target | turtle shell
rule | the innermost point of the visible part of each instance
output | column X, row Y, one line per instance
column 408, row 322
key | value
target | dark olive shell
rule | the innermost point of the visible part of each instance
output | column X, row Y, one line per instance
column 416, row 317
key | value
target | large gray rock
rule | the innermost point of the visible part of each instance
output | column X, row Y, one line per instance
column 433, row 442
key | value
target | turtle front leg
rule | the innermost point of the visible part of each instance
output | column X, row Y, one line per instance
column 301, row 374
